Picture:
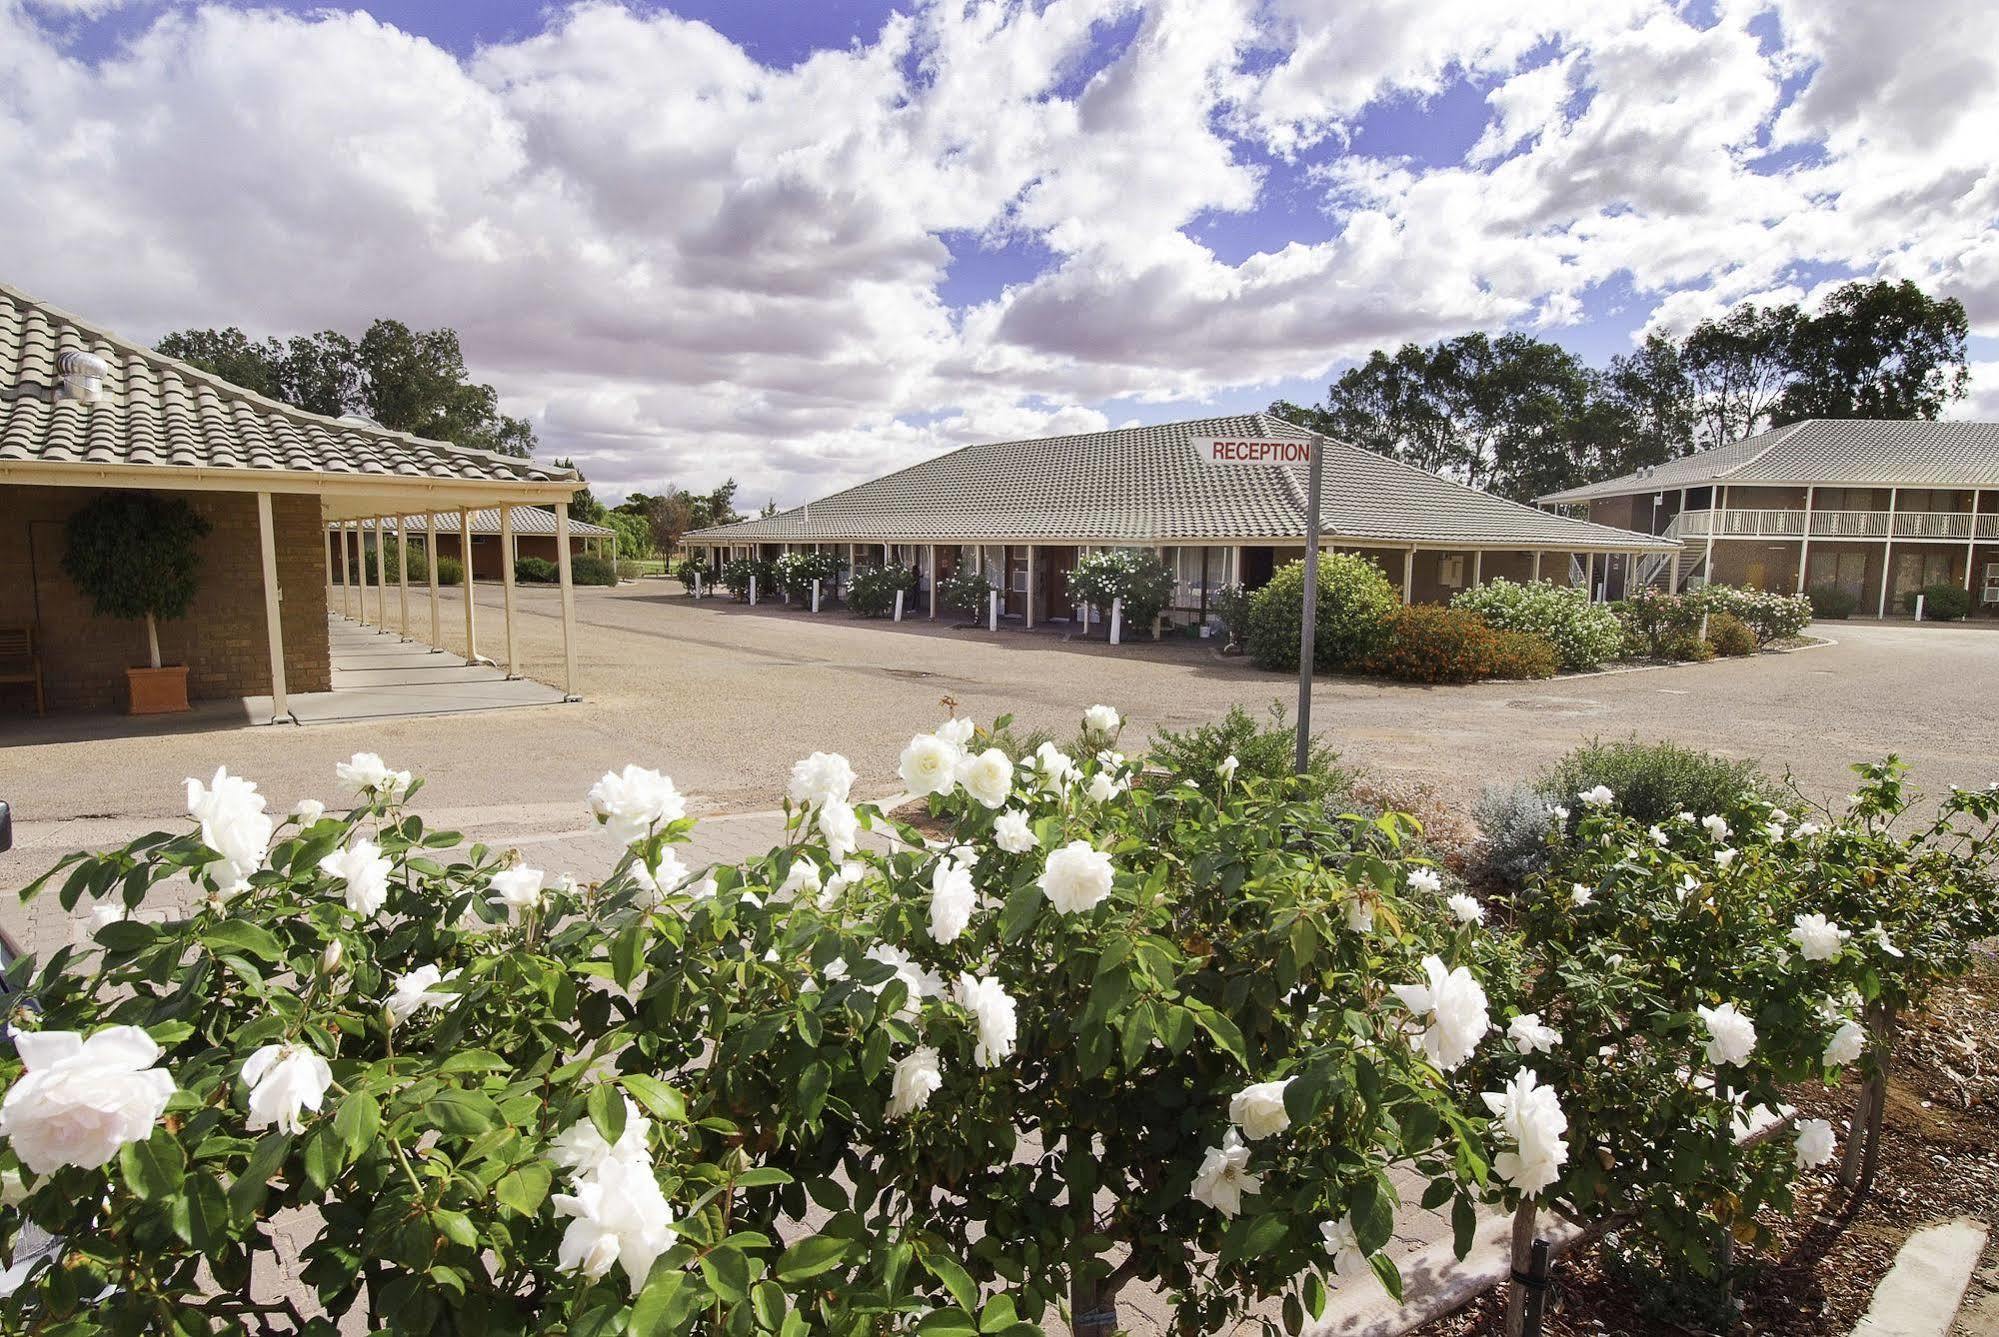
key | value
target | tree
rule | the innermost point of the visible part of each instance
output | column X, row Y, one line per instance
column 1652, row 395
column 232, row 355
column 1738, row 366
column 135, row 555
column 668, row 517
column 1876, row 350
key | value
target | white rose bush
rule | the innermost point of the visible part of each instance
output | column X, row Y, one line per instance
column 870, row 1081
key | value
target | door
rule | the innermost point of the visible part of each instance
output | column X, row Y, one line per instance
column 1051, row 584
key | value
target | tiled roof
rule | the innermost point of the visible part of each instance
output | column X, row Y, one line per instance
column 1139, row 485
column 158, row 412
column 1842, row 451
column 527, row 520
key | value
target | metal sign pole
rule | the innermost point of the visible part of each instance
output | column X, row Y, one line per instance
column 1308, row 633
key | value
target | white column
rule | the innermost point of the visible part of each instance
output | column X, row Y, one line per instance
column 327, row 534
column 568, row 600
column 403, row 571
column 347, row 590
column 507, row 586
column 1971, row 544
column 933, row 582
column 382, row 572
column 430, row 563
column 1888, row 552
column 1030, row 587
column 1408, row 574
column 465, row 561
column 1717, row 494
column 1537, row 564
column 1478, row 568
column 1805, row 543
column 274, row 627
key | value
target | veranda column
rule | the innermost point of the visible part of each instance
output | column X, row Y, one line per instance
column 382, row 572
column 1888, row 553
column 1717, row 500
column 1537, row 564
column 361, row 531
column 568, row 600
column 1805, row 544
column 274, row 626
column 403, row 571
column 430, row 562
column 1971, row 543
column 1477, row 567
column 465, row 561
column 507, row 586
column 933, row 582
column 346, row 590
column 1408, row 574
column 327, row 551
column 1030, row 587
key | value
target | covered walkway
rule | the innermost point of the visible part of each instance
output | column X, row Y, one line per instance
column 379, row 675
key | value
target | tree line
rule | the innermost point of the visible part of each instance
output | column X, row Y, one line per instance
column 1523, row 417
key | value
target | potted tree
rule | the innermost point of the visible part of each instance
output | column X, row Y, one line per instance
column 134, row 554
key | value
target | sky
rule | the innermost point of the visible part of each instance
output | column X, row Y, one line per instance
column 799, row 244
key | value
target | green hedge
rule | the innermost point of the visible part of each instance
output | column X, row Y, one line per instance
column 1941, row 603
column 534, row 571
column 1585, row 634
column 1356, row 608
column 592, row 571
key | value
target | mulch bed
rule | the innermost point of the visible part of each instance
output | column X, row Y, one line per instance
column 1817, row 1271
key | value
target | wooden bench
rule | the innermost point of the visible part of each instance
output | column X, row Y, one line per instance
column 19, row 663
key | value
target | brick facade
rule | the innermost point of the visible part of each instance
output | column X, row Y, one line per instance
column 222, row 640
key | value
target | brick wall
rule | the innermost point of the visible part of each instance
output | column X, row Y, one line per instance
column 222, row 640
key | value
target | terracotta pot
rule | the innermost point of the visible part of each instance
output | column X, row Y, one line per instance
column 158, row 691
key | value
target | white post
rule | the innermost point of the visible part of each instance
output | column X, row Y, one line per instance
column 274, row 627
column 382, row 572
column 347, row 590
column 898, row 605
column 1408, row 575
column 403, row 572
column 430, row 562
column 815, row 594
column 1805, row 544
column 1478, row 568
column 1537, row 564
column 1888, row 553
column 1083, row 617
column 992, row 609
column 933, row 582
column 753, row 591
column 1717, row 495
column 1971, row 544
column 1117, row 621
column 697, row 584
column 1030, row 587
column 465, row 563
column 1919, row 607
column 507, row 586
column 568, row 600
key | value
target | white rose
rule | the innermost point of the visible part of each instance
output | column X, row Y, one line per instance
column 1597, row 797
column 952, row 900
column 1259, row 1110
column 917, row 1078
column 308, row 811
column 412, row 992
column 1227, row 768
column 1731, row 1036
column 918, row 982
column 518, row 889
column 1343, row 1243
column 618, row 1215
column 80, row 1100
column 1583, row 895
column 803, row 879
column 365, row 870
column 1815, row 1143
column 993, row 1011
column 823, row 777
column 659, row 880
column 840, row 828
column 929, row 765
column 1425, row 879
column 987, row 777
column 368, row 775
column 1530, row 1117
column 581, row 1150
column 1360, row 914
column 1455, row 1005
column 1076, row 877
column 633, row 801
column 1466, row 909
column 1056, row 767
column 1529, row 1036
column 1716, row 824
column 285, row 1080
column 1818, row 938
column 1102, row 788
column 1102, row 721
column 233, row 824
column 1012, row 833
column 1224, row 1176
column 111, row 912
column 957, row 732
column 1848, row 1043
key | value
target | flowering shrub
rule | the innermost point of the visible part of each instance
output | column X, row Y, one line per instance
column 965, row 591
column 687, row 568
column 1729, row 636
column 871, row 590
column 795, row 572
column 1660, row 624
column 1356, row 608
column 739, row 571
column 1431, row 644
column 1772, row 616
column 1135, row 575
column 1652, row 781
column 1584, row 634
column 517, row 1103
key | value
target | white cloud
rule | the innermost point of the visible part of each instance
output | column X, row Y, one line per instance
column 683, row 263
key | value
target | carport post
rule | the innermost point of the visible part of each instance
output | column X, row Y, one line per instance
column 465, row 559
column 346, row 590
column 274, row 626
column 507, row 585
column 1408, row 574
column 403, row 571
column 382, row 571
column 1537, row 564
column 568, row 601
column 430, row 563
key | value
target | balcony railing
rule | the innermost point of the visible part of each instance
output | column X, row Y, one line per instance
column 1790, row 524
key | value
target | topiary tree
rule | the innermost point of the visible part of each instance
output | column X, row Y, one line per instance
column 135, row 555
column 1357, row 608
column 1134, row 575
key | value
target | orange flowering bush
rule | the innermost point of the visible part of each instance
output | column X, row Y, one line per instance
column 1431, row 644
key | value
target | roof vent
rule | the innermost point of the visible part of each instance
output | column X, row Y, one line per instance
column 358, row 419
column 82, row 375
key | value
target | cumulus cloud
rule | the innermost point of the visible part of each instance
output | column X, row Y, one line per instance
column 685, row 263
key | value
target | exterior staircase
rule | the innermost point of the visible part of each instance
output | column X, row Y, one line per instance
column 1673, row 571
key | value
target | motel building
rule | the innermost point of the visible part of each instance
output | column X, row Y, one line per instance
column 1022, row 512
column 1880, row 509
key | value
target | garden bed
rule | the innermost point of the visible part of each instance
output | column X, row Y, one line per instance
column 1939, row 1159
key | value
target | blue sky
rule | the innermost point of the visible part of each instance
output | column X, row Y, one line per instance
column 803, row 243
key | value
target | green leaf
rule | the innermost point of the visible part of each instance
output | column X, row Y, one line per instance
column 628, row 953
column 809, row 1257
column 954, row 1278
column 125, row 935
column 998, row 1315
column 1372, row 1205
column 727, row 1272
column 767, row 1299
column 246, row 1195
column 1252, row 1237
column 947, row 1321
column 1023, row 907
column 455, row 1226
column 200, row 1215
column 463, row 1113
column 1464, row 1223
column 244, row 938
column 762, row 1176
column 524, row 1187
column 665, row 1305
column 153, row 1168
column 607, row 1110
column 1221, row 1029
column 356, row 1120
column 1391, row 1276
column 812, row 1087
column 661, row 1099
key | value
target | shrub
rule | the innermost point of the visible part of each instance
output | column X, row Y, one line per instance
column 1661, row 623
column 1652, row 781
column 592, row 571
column 793, row 1087
column 1771, row 616
column 1584, row 634
column 1729, row 636
column 1515, row 821
column 134, row 555
column 1832, row 603
column 1231, row 605
column 965, row 591
column 738, row 572
column 1135, row 575
column 1357, row 606
column 1941, row 603
column 535, row 571
column 795, row 571
column 450, row 571
column 685, row 571
column 872, row 589
column 1448, row 645
column 1262, row 751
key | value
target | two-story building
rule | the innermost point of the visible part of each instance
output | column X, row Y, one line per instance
column 1880, row 509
